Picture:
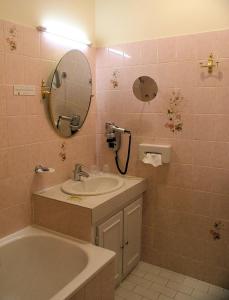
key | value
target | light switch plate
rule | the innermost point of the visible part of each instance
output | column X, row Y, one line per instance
column 24, row 90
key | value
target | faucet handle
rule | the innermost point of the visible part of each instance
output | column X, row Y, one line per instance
column 78, row 167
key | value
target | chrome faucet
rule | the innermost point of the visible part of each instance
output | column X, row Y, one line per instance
column 78, row 172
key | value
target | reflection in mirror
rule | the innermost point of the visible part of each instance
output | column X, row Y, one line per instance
column 145, row 88
column 71, row 90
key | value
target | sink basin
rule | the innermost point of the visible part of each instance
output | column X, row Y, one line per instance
column 91, row 186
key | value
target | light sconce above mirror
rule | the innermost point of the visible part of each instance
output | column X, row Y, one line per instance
column 66, row 32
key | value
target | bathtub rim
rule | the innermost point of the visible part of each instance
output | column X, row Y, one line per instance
column 97, row 257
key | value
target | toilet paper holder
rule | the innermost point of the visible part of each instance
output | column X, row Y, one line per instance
column 164, row 150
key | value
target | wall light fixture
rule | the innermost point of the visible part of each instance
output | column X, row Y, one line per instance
column 66, row 32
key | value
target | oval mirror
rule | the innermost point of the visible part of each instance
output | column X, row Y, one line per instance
column 71, row 90
column 145, row 88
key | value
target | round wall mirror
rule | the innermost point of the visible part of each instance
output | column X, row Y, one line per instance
column 71, row 90
column 145, row 88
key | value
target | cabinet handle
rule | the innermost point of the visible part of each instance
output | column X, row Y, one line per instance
column 121, row 247
column 126, row 243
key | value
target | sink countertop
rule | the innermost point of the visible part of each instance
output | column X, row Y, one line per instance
column 100, row 205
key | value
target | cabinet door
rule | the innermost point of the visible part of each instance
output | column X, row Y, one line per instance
column 110, row 235
column 132, row 235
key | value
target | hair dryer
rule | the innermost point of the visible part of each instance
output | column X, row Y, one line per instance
column 113, row 134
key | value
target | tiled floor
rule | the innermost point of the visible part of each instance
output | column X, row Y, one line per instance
column 154, row 283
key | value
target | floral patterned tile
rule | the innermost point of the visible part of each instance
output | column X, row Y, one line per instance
column 13, row 38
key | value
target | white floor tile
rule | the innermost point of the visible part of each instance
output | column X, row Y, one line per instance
column 204, row 296
column 139, row 273
column 148, row 282
column 156, row 278
column 127, row 295
column 145, row 267
column 148, row 293
column 128, row 285
column 180, row 287
column 219, row 292
column 139, row 281
column 197, row 284
column 181, row 296
column 172, row 276
column 163, row 290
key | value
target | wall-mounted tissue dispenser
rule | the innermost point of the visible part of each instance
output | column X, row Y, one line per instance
column 163, row 150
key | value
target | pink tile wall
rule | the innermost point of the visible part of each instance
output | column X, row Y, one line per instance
column 186, row 197
column 26, row 137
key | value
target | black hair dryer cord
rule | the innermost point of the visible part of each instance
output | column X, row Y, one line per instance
column 127, row 160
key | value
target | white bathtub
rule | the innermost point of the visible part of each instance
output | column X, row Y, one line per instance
column 39, row 265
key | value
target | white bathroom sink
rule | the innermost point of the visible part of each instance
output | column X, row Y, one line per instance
column 96, row 185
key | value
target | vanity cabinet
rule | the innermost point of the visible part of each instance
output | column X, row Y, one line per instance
column 111, row 220
column 121, row 233
column 110, row 236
